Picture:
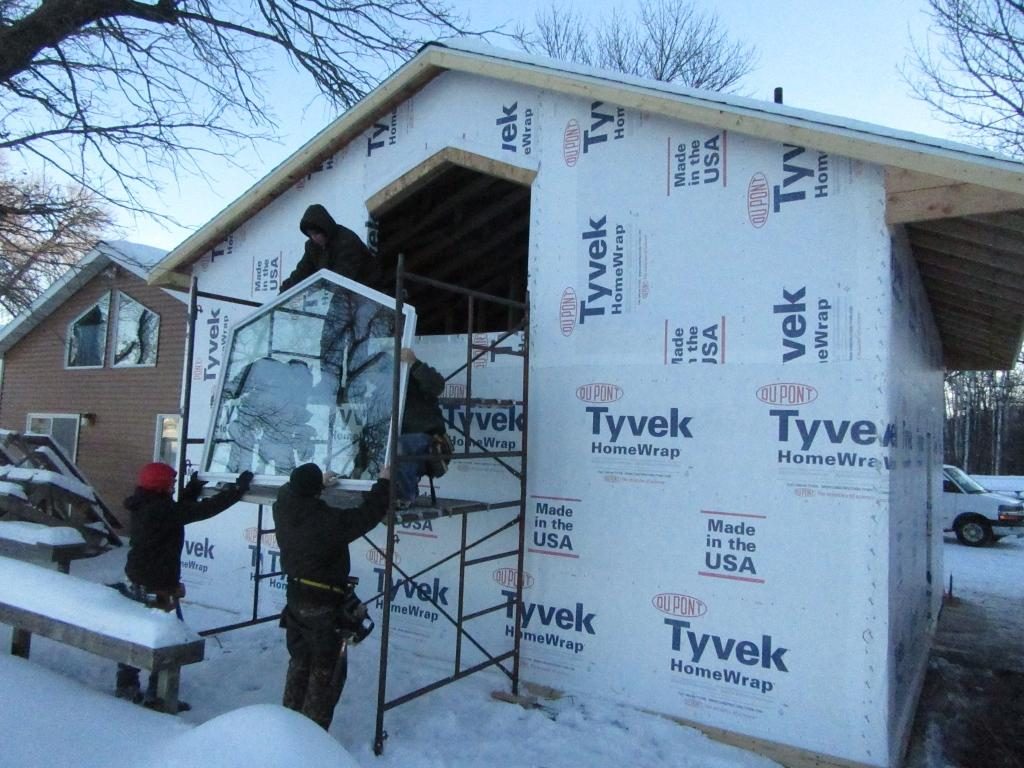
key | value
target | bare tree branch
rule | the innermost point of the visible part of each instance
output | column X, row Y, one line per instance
column 666, row 40
column 44, row 230
column 111, row 92
column 970, row 69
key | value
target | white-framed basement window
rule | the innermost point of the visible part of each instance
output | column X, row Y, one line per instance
column 165, row 446
column 136, row 334
column 61, row 427
column 87, row 336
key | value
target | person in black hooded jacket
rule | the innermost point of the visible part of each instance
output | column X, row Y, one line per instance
column 334, row 247
column 153, row 566
column 354, row 369
column 313, row 538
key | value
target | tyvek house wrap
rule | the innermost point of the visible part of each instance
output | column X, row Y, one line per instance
column 733, row 407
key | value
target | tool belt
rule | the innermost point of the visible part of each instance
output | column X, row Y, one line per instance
column 319, row 585
column 353, row 620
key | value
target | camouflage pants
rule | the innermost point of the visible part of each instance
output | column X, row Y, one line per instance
column 319, row 661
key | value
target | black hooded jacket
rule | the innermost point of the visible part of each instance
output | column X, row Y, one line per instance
column 314, row 536
column 422, row 411
column 158, row 534
column 344, row 253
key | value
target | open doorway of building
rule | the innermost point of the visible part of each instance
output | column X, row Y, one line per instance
column 462, row 219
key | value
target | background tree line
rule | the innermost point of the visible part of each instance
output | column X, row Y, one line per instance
column 984, row 430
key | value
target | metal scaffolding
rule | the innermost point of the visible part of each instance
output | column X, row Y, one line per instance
column 507, row 661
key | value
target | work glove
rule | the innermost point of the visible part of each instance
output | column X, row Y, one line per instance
column 243, row 482
column 193, row 488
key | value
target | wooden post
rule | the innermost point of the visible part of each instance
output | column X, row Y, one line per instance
column 167, row 688
column 21, row 642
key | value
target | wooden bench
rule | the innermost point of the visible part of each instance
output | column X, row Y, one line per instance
column 40, row 601
column 43, row 544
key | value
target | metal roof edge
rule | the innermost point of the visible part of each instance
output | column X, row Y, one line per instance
column 715, row 99
column 849, row 138
column 283, row 176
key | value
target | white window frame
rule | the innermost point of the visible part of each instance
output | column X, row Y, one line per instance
column 115, row 313
column 409, row 332
column 70, row 335
column 78, row 428
column 158, row 436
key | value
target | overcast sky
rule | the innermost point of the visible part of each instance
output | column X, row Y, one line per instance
column 835, row 56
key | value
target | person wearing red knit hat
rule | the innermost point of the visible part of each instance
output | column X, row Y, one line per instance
column 157, row 535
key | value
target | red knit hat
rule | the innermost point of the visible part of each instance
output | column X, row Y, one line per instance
column 157, row 477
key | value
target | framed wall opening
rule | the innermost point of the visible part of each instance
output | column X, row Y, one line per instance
column 463, row 219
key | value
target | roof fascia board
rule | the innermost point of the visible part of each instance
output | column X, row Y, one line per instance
column 847, row 141
column 408, row 79
column 856, row 141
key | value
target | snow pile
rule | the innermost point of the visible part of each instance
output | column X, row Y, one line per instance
column 266, row 735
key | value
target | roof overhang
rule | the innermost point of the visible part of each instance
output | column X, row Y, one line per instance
column 133, row 257
column 60, row 291
column 927, row 180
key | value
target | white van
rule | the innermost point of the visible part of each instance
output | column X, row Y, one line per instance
column 976, row 515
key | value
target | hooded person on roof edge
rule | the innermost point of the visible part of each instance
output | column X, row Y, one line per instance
column 354, row 365
column 157, row 535
column 334, row 247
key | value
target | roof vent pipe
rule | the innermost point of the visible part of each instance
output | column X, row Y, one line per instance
column 778, row 95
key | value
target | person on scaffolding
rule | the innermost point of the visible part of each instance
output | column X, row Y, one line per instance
column 153, row 566
column 354, row 365
column 322, row 615
column 422, row 421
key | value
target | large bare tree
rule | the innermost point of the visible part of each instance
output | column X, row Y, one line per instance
column 970, row 69
column 668, row 40
column 44, row 229
column 112, row 92
column 110, row 97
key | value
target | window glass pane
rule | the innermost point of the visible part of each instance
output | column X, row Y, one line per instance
column 88, row 336
column 308, row 380
column 167, row 440
column 64, row 431
column 138, row 331
column 39, row 425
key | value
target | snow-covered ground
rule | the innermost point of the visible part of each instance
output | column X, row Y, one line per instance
column 972, row 704
column 57, row 709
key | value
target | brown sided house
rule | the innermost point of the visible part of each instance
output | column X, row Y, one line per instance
column 96, row 363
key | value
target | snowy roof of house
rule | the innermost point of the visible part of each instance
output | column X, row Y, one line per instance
column 137, row 259
column 963, row 207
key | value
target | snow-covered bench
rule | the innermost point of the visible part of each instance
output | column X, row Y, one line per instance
column 42, row 543
column 98, row 619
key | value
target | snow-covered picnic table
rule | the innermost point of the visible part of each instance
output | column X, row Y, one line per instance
column 98, row 619
column 36, row 542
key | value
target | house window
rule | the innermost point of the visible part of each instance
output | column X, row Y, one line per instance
column 87, row 336
column 165, row 448
column 61, row 427
column 137, row 333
